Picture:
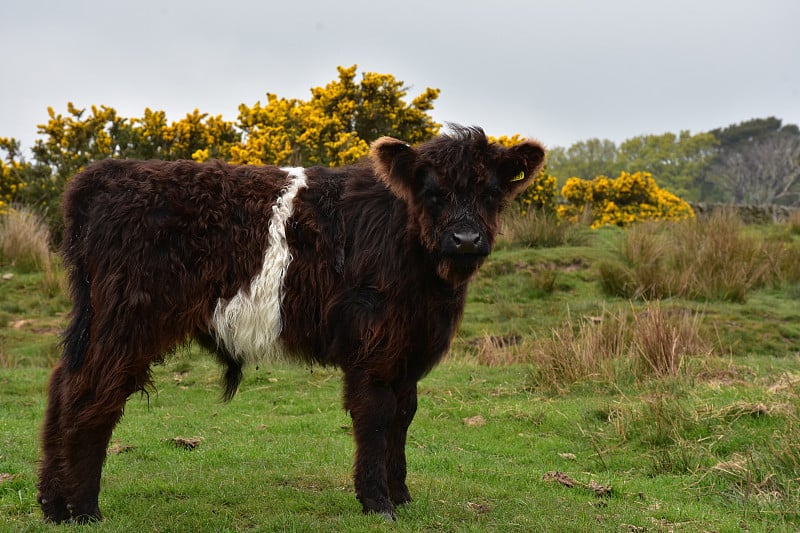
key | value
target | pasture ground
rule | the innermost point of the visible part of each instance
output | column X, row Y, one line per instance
column 495, row 446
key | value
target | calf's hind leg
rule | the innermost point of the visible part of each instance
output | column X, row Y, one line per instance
column 53, row 465
column 84, row 405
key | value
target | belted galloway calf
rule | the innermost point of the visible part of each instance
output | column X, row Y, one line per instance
column 363, row 267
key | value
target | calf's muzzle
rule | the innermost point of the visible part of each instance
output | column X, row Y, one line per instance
column 464, row 241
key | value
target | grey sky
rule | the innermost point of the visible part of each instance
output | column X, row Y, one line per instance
column 558, row 70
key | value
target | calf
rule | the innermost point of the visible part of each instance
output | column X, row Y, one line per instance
column 363, row 267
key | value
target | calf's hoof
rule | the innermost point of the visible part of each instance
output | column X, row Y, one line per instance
column 57, row 511
column 400, row 495
column 54, row 509
column 382, row 507
column 86, row 516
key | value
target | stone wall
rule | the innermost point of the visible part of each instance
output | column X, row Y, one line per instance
column 750, row 214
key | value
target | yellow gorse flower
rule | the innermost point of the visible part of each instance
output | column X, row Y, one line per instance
column 621, row 201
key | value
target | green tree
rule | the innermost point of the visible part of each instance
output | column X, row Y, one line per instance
column 676, row 162
column 584, row 160
column 748, row 131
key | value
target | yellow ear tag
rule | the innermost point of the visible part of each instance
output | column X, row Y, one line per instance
column 519, row 177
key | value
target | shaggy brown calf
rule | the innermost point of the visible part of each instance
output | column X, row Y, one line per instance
column 363, row 267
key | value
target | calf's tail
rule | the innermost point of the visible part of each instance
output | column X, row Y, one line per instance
column 75, row 339
column 76, row 205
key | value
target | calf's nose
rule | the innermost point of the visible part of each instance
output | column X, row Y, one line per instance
column 466, row 242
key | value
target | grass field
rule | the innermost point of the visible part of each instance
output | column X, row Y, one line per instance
column 550, row 414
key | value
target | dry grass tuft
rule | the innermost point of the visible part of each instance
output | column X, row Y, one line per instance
column 620, row 345
column 582, row 351
column 25, row 243
column 495, row 350
column 708, row 259
column 664, row 338
column 537, row 230
column 24, row 240
column 793, row 221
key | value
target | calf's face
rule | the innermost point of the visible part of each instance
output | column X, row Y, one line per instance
column 455, row 188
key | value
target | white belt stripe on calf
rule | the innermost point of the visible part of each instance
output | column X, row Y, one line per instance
column 249, row 324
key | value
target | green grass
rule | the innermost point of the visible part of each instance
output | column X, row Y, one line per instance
column 278, row 456
column 713, row 448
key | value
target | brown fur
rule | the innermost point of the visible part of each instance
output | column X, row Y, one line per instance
column 382, row 252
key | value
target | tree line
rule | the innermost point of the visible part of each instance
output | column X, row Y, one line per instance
column 756, row 161
column 752, row 162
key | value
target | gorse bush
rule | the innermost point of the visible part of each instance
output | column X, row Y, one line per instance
column 540, row 195
column 335, row 126
column 11, row 180
column 711, row 259
column 622, row 201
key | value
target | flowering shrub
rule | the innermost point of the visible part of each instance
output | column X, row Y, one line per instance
column 336, row 125
column 10, row 184
column 11, row 179
column 621, row 201
column 540, row 194
column 199, row 136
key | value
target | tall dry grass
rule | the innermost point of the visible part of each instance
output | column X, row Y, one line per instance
column 537, row 229
column 793, row 221
column 25, row 244
column 710, row 259
column 664, row 338
column 627, row 344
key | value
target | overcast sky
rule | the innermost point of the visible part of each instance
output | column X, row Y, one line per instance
column 558, row 70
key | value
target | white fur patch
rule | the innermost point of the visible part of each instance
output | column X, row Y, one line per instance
column 249, row 324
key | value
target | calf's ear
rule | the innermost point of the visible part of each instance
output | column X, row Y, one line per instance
column 394, row 164
column 521, row 164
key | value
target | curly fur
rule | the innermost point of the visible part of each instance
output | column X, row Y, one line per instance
column 363, row 267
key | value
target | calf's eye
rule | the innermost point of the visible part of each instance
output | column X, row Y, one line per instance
column 491, row 198
column 435, row 199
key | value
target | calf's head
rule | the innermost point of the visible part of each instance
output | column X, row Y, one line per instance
column 455, row 187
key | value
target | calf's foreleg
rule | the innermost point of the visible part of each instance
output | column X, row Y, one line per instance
column 406, row 398
column 372, row 405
